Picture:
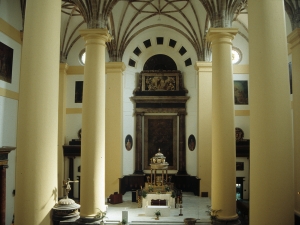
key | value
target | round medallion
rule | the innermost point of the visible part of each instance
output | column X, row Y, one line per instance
column 128, row 142
column 192, row 142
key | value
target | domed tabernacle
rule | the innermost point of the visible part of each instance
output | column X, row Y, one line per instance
column 159, row 161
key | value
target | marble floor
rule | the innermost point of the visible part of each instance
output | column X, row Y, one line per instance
column 193, row 207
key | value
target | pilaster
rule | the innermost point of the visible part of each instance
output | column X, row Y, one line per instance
column 114, row 144
column 182, row 144
column 139, row 144
column 4, row 151
column 294, row 41
column 204, row 71
column 61, row 124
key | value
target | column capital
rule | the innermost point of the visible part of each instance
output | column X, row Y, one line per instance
column 202, row 66
column 115, row 67
column 89, row 34
column 3, row 167
column 214, row 33
column 294, row 38
column 182, row 113
column 4, row 151
column 139, row 113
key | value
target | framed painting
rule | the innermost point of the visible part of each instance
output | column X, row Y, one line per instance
column 6, row 62
column 241, row 92
column 239, row 165
column 160, row 81
column 78, row 91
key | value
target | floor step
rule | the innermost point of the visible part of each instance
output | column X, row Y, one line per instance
column 166, row 223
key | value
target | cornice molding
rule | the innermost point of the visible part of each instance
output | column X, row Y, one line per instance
column 10, row 31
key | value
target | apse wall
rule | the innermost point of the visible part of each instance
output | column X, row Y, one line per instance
column 189, row 77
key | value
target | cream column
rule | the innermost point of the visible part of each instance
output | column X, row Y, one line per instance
column 223, row 131
column 61, row 125
column 204, row 70
column 114, row 144
column 36, row 162
column 271, row 155
column 92, row 189
column 294, row 40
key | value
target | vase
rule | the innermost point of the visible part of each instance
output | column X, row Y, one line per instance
column 157, row 218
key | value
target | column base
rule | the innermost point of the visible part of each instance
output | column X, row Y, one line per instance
column 226, row 222
column 182, row 172
column 86, row 221
column 81, row 221
column 139, row 172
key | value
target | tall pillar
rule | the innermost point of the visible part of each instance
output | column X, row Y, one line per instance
column 36, row 162
column 204, row 70
column 223, row 131
column 294, row 40
column 61, row 126
column 182, row 149
column 271, row 154
column 92, row 189
column 139, row 144
column 114, row 144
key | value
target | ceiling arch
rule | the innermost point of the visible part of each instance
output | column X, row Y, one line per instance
column 126, row 19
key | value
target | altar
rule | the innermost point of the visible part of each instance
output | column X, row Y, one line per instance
column 170, row 202
column 164, row 210
column 158, row 193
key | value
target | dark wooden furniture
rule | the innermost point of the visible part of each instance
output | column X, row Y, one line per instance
column 240, row 187
column 72, row 151
column 4, row 151
column 243, row 148
column 243, row 208
column 115, row 198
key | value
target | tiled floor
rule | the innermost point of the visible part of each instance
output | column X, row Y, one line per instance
column 193, row 207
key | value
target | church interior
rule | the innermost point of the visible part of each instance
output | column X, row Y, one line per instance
column 158, row 102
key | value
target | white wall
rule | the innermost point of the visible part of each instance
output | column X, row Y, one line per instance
column 130, row 82
column 73, row 121
column 8, row 130
column 9, row 106
column 10, row 11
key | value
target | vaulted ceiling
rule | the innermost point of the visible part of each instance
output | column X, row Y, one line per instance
column 126, row 19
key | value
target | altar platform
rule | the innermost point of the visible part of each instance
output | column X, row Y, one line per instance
column 193, row 207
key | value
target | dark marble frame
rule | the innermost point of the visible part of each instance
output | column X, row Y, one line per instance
column 147, row 145
column 165, row 103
